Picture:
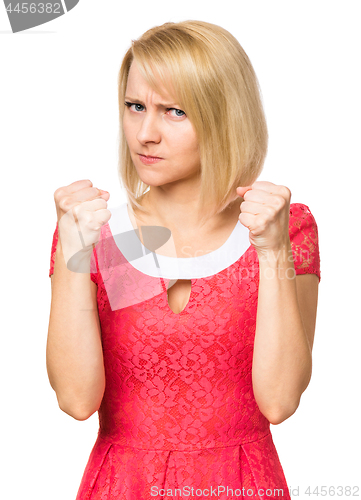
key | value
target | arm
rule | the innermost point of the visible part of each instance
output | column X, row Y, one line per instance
column 74, row 356
column 286, row 318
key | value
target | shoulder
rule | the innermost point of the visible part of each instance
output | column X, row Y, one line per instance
column 301, row 217
column 304, row 239
column 299, row 209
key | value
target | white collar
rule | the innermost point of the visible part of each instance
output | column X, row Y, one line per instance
column 173, row 267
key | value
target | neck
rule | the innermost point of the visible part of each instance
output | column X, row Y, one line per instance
column 180, row 215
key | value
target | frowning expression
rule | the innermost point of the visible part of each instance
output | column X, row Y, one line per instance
column 155, row 126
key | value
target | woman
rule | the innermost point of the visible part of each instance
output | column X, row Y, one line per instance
column 191, row 348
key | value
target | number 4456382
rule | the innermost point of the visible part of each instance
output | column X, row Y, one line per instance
column 40, row 8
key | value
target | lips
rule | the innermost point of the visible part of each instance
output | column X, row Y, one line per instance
column 149, row 160
column 148, row 156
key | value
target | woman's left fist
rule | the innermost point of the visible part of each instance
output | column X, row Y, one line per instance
column 265, row 212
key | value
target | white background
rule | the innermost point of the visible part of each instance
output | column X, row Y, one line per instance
column 59, row 123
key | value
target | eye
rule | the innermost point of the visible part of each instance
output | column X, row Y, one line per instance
column 176, row 109
column 130, row 104
column 178, row 112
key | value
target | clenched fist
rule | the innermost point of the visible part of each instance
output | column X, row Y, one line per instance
column 81, row 211
column 265, row 212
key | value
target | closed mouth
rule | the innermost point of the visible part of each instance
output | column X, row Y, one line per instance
column 147, row 156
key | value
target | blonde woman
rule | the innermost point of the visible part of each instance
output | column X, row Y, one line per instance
column 192, row 347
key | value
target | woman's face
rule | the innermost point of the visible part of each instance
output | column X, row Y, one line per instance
column 153, row 129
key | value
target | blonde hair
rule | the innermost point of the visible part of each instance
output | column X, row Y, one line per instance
column 216, row 86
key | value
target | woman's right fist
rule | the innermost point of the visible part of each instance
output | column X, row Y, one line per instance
column 81, row 211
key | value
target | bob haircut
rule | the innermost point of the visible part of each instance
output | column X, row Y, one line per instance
column 208, row 73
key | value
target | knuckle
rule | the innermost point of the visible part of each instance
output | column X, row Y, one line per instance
column 57, row 193
column 271, row 211
column 64, row 203
column 96, row 225
column 286, row 191
column 279, row 201
column 76, row 210
column 261, row 223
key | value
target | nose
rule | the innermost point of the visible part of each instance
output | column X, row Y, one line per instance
column 149, row 130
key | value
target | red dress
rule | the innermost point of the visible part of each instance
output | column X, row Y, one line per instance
column 178, row 417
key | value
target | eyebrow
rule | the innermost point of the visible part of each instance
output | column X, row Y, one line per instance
column 138, row 101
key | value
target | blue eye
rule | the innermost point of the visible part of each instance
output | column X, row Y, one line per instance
column 176, row 109
column 130, row 104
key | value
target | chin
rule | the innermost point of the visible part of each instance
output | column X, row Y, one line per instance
column 149, row 179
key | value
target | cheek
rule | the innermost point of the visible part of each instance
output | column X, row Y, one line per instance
column 129, row 136
column 193, row 147
column 186, row 143
column 127, row 127
column 192, row 141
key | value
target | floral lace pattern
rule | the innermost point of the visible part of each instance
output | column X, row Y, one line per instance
column 178, row 410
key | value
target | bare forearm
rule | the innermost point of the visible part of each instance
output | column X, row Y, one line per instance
column 74, row 355
column 282, row 361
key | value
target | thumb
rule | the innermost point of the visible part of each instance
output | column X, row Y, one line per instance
column 104, row 194
column 241, row 190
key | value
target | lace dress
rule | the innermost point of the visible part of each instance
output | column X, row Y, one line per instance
column 178, row 417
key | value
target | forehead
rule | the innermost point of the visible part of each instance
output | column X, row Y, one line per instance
column 137, row 85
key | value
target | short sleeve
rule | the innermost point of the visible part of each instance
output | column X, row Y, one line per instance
column 93, row 264
column 303, row 232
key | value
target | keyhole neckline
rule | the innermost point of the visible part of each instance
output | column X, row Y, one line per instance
column 191, row 296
